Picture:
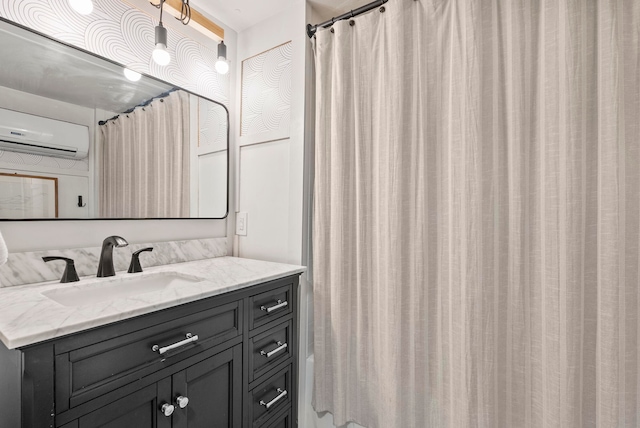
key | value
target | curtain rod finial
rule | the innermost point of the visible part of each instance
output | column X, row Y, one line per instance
column 311, row 30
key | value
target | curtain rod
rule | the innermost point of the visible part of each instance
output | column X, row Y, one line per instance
column 144, row 104
column 311, row 29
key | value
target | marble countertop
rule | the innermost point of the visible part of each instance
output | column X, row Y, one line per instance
column 27, row 316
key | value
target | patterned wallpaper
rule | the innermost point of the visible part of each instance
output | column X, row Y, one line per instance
column 213, row 125
column 123, row 34
column 266, row 91
column 14, row 159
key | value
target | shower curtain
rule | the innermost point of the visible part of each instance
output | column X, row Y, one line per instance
column 144, row 161
column 477, row 215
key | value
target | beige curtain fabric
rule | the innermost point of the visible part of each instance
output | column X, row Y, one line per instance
column 144, row 162
column 476, row 225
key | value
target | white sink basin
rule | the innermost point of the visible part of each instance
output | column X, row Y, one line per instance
column 125, row 285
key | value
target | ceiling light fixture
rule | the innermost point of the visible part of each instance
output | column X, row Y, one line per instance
column 132, row 75
column 222, row 66
column 160, row 54
column 185, row 13
column 83, row 7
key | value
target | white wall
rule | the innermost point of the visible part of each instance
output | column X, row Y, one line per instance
column 271, row 175
column 270, row 172
column 44, row 235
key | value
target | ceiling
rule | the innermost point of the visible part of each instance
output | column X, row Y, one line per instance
column 242, row 14
column 327, row 9
column 40, row 66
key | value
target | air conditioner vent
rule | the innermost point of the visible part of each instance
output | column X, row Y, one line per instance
column 26, row 133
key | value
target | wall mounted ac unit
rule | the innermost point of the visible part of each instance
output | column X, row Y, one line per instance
column 26, row 133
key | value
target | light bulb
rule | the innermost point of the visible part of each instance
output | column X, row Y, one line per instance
column 161, row 55
column 132, row 75
column 222, row 66
column 83, row 7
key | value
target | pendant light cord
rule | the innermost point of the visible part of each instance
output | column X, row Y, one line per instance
column 185, row 12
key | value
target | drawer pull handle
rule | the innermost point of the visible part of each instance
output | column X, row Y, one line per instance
column 190, row 339
column 281, row 347
column 281, row 395
column 270, row 309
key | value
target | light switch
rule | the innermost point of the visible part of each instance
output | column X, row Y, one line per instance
column 241, row 223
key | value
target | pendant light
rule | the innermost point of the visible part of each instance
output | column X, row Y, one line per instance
column 222, row 66
column 83, row 7
column 160, row 54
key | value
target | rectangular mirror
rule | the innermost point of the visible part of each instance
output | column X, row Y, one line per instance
column 119, row 145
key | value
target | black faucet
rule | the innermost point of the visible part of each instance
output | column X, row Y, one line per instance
column 69, row 274
column 135, row 265
column 105, row 267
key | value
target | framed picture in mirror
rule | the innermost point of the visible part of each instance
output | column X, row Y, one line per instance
column 28, row 196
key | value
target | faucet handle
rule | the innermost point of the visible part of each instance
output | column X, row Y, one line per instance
column 69, row 274
column 135, row 266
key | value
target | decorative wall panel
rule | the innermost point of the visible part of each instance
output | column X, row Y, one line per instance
column 123, row 34
column 213, row 125
column 266, row 92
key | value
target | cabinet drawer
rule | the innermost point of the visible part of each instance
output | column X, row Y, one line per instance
column 269, row 398
column 282, row 420
column 268, row 349
column 268, row 306
column 87, row 372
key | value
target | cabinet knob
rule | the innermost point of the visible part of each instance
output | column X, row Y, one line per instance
column 182, row 402
column 167, row 409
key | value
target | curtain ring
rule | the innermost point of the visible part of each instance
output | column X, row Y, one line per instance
column 352, row 22
column 332, row 31
column 382, row 9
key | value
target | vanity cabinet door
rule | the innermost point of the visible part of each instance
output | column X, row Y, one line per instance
column 138, row 410
column 214, row 390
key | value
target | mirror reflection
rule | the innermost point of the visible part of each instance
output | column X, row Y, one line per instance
column 82, row 137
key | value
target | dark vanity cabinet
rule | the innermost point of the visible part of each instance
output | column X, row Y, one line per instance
column 228, row 361
column 210, row 390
